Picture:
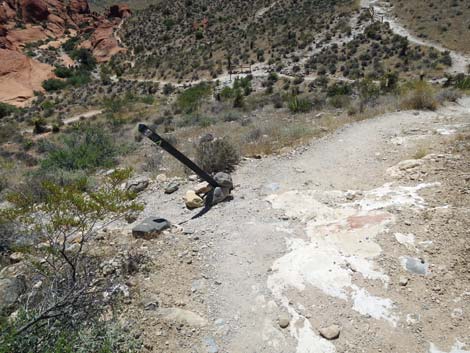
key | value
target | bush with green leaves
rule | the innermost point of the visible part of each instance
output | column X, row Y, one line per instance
column 83, row 149
column 298, row 104
column 191, row 99
column 7, row 109
column 219, row 155
column 54, row 84
column 64, row 311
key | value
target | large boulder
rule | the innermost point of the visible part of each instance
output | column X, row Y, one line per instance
column 120, row 11
column 79, row 7
column 20, row 77
column 103, row 43
column 34, row 10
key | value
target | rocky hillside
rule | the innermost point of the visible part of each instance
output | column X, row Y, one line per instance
column 444, row 21
column 49, row 24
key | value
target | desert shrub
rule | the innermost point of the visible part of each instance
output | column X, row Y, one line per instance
column 448, row 95
column 340, row 101
column 85, row 58
column 231, row 116
column 87, row 149
column 7, row 109
column 63, row 72
column 420, row 96
column 219, row 155
column 63, row 314
column 462, row 82
column 54, row 84
column 339, row 89
column 190, row 100
column 297, row 104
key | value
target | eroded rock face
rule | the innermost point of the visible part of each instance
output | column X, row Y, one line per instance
column 103, row 43
column 20, row 77
column 79, row 7
column 120, row 10
column 34, row 10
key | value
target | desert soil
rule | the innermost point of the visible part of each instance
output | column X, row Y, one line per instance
column 350, row 230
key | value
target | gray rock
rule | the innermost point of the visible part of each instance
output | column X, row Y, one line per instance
column 284, row 320
column 331, row 332
column 150, row 227
column 10, row 291
column 172, row 187
column 220, row 194
column 403, row 281
column 414, row 265
column 137, row 185
column 224, row 180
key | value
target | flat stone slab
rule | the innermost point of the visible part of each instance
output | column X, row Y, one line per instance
column 150, row 227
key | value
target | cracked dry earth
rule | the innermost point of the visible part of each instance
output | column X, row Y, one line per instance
column 348, row 231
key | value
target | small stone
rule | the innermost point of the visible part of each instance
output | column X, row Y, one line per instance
column 284, row 320
column 172, row 187
column 193, row 177
column 161, row 178
column 202, row 188
column 330, row 333
column 403, row 281
column 16, row 257
column 137, row 185
column 192, row 200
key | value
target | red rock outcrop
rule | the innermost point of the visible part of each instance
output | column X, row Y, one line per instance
column 103, row 44
column 79, row 7
column 120, row 11
column 20, row 77
column 34, row 10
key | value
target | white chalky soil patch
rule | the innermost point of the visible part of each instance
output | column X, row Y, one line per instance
column 341, row 238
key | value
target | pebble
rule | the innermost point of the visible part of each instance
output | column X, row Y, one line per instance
column 331, row 332
column 284, row 320
column 403, row 281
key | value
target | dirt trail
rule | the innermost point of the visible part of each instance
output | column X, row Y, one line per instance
column 322, row 236
column 460, row 62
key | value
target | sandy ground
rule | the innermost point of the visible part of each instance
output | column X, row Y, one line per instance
column 350, row 231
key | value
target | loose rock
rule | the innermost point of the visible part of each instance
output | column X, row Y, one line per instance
column 137, row 185
column 331, row 332
column 150, row 227
column 172, row 187
column 192, row 200
column 284, row 320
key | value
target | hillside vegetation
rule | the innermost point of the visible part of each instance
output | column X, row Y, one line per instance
column 445, row 21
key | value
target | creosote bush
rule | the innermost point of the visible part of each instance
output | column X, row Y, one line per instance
column 420, row 97
column 219, row 155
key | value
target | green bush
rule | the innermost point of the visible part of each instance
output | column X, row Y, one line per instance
column 88, row 149
column 54, row 85
column 85, row 58
column 299, row 105
column 339, row 89
column 190, row 100
column 7, row 109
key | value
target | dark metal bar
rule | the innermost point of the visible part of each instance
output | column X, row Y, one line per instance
column 152, row 135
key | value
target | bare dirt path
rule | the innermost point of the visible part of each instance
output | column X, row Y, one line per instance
column 330, row 235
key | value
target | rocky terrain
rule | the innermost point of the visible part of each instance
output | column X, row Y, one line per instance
column 338, row 218
column 52, row 23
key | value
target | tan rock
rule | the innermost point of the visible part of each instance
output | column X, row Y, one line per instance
column 192, row 200
column 202, row 188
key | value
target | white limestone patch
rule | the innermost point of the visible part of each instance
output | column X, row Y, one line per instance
column 408, row 240
column 341, row 240
column 398, row 196
column 457, row 348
